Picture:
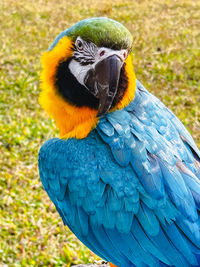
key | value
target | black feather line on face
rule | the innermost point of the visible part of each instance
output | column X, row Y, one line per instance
column 71, row 90
column 86, row 54
column 75, row 93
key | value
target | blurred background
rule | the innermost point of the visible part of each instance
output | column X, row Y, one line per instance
column 167, row 61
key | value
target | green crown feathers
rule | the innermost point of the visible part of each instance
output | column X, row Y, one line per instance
column 101, row 31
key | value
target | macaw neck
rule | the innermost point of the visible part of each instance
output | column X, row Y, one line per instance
column 78, row 122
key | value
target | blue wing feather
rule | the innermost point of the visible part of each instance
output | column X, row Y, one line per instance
column 130, row 191
column 182, row 245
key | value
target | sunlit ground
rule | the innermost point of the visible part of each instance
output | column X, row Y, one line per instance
column 167, row 61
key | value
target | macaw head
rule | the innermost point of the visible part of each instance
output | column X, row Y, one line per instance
column 87, row 72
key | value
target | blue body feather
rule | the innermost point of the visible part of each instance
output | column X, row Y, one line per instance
column 130, row 191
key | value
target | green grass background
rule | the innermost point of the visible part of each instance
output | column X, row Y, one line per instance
column 167, row 60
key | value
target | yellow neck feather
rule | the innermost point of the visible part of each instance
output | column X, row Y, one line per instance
column 73, row 121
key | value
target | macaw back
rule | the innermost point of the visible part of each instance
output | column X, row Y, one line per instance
column 130, row 190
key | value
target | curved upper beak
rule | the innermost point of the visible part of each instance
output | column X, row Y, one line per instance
column 103, row 80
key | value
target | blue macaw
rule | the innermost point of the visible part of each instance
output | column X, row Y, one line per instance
column 124, row 174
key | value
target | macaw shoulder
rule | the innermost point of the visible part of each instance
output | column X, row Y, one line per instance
column 146, row 126
column 74, row 153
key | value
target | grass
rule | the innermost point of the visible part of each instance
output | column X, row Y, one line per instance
column 167, row 60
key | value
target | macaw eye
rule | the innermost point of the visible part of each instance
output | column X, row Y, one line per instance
column 79, row 44
column 102, row 53
column 124, row 54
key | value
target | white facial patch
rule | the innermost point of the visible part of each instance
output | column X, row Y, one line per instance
column 87, row 55
column 104, row 52
column 78, row 70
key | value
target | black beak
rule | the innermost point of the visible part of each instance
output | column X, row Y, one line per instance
column 102, row 81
